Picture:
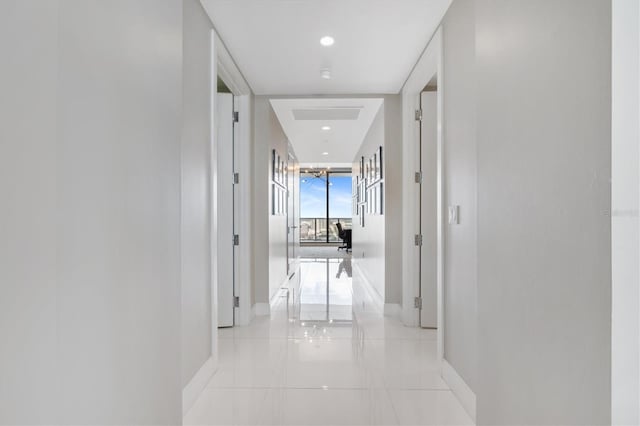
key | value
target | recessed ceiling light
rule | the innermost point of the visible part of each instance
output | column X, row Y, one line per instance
column 325, row 153
column 325, row 73
column 327, row 41
column 326, row 128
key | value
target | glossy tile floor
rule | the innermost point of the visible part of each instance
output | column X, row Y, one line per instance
column 326, row 356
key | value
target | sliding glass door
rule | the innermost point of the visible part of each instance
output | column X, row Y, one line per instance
column 340, row 203
column 325, row 199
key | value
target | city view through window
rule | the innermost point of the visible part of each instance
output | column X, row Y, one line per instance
column 315, row 206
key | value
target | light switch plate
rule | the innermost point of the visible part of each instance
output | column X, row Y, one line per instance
column 454, row 215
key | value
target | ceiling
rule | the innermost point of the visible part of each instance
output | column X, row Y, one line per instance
column 348, row 119
column 275, row 43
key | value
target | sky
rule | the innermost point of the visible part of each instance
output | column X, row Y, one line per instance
column 313, row 197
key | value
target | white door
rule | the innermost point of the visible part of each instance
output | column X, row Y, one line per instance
column 428, row 210
column 236, row 203
column 224, row 145
column 293, row 232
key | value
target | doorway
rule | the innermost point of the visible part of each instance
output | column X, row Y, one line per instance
column 420, row 184
column 293, row 210
column 227, row 179
column 428, row 205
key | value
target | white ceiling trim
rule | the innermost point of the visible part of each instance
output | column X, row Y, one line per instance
column 228, row 70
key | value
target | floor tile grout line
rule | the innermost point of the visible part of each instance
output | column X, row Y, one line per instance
column 393, row 406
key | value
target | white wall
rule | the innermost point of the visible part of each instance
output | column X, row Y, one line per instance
column 368, row 242
column 544, row 250
column 625, row 227
column 392, row 157
column 91, row 189
column 196, row 331
column 270, row 236
column 261, row 207
column 460, row 188
column 28, row 205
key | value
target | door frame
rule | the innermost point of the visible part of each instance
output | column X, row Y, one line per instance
column 428, row 213
column 293, row 210
column 222, row 65
column 429, row 65
column 225, row 212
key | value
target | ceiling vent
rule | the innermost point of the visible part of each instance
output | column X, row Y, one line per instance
column 326, row 114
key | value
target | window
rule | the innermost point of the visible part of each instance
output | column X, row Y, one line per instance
column 325, row 199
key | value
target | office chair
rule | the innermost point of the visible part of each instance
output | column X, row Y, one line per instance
column 345, row 236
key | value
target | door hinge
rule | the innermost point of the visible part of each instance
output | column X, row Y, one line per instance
column 418, row 239
column 236, row 239
column 236, row 301
column 417, row 302
column 236, row 116
column 418, row 115
column 236, row 178
column 418, row 177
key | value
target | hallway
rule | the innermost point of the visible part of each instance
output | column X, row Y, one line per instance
column 177, row 177
column 327, row 356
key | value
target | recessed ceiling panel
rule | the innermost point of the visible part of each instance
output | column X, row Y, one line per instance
column 329, row 140
column 326, row 114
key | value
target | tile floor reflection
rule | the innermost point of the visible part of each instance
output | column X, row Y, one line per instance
column 326, row 356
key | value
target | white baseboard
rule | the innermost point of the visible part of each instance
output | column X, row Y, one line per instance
column 393, row 310
column 261, row 309
column 198, row 382
column 460, row 389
